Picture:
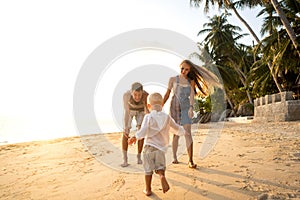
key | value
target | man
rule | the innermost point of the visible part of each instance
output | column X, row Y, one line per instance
column 135, row 106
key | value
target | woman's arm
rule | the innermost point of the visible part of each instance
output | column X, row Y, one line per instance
column 166, row 97
column 170, row 85
column 192, row 95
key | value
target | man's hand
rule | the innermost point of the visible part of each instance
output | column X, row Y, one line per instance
column 132, row 140
column 126, row 133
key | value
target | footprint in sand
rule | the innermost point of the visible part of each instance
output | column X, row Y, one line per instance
column 118, row 183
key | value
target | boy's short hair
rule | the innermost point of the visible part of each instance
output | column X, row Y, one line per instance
column 155, row 99
column 137, row 87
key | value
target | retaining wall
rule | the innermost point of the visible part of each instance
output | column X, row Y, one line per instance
column 277, row 108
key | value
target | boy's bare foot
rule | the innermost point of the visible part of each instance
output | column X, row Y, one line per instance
column 164, row 184
column 147, row 193
column 175, row 161
column 125, row 164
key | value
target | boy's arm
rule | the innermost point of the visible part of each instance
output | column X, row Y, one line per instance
column 179, row 130
column 141, row 133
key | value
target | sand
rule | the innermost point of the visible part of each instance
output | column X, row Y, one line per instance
column 249, row 161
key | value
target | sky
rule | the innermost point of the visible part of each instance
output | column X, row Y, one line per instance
column 43, row 45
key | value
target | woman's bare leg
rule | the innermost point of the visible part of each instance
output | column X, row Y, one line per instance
column 174, row 148
column 189, row 144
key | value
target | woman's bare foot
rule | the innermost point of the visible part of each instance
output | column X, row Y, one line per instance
column 147, row 193
column 192, row 165
column 164, row 184
column 175, row 161
column 125, row 164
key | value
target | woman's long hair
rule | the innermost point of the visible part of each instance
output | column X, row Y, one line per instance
column 204, row 79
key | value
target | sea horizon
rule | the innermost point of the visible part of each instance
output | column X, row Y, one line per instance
column 15, row 130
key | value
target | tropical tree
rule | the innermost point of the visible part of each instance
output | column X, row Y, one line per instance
column 229, row 78
column 277, row 50
column 284, row 53
column 221, row 39
column 270, row 22
column 227, row 4
column 286, row 24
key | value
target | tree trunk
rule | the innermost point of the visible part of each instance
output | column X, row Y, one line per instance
column 286, row 24
column 280, row 89
column 231, row 105
column 246, row 24
column 242, row 77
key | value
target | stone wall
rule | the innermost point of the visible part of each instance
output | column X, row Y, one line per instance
column 277, row 108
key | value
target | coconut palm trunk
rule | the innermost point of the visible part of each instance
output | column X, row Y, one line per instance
column 286, row 24
column 242, row 20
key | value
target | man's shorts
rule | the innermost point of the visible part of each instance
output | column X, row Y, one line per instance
column 154, row 159
column 139, row 116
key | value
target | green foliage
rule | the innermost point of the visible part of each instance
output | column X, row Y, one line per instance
column 203, row 105
column 215, row 103
column 218, row 102
column 251, row 70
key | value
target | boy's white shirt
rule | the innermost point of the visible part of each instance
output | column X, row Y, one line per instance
column 156, row 128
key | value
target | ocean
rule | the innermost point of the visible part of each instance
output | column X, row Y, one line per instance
column 22, row 129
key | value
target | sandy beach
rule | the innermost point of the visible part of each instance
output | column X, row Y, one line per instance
column 249, row 161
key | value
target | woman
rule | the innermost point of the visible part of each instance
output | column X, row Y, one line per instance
column 185, row 86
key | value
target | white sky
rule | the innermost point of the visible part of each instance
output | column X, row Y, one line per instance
column 43, row 45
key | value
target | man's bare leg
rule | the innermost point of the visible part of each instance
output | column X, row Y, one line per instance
column 140, row 149
column 125, row 149
column 140, row 145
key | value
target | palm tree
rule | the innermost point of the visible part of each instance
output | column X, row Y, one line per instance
column 278, row 51
column 221, row 39
column 229, row 77
column 227, row 4
column 270, row 25
column 286, row 24
column 271, row 22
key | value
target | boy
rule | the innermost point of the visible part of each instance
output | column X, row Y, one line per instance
column 135, row 105
column 155, row 129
